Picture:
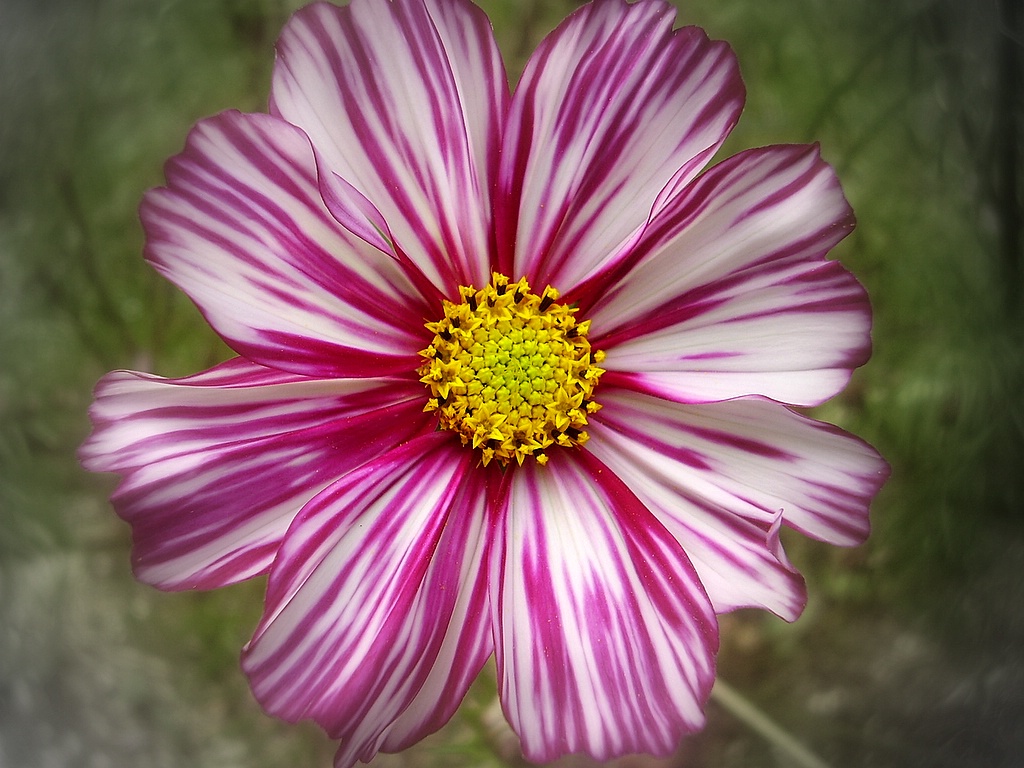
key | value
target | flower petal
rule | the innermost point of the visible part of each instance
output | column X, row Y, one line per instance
column 734, row 548
column 242, row 229
column 404, row 102
column 733, row 296
column 612, row 106
column 375, row 621
column 604, row 637
column 216, row 465
column 751, row 458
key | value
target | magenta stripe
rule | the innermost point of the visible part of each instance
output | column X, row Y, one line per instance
column 200, row 182
column 342, row 42
column 287, row 270
column 763, row 455
column 626, row 66
column 591, row 668
column 830, row 289
column 417, row 606
column 737, row 190
column 205, row 458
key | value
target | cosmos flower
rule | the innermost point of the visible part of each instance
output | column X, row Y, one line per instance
column 513, row 375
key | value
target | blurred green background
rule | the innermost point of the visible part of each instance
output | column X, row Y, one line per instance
column 909, row 653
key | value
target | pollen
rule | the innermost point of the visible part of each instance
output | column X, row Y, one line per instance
column 511, row 371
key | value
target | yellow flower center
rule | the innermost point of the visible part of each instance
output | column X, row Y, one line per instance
column 511, row 372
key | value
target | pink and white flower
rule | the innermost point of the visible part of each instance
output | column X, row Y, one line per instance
column 395, row 176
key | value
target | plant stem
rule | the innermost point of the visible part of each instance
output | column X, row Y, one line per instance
column 748, row 714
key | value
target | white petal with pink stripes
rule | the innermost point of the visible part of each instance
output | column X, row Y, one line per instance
column 404, row 102
column 750, row 458
column 611, row 106
column 377, row 592
column 733, row 547
column 216, row 465
column 733, row 295
column 242, row 229
column 604, row 637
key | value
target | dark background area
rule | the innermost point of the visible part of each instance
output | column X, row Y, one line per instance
column 910, row 651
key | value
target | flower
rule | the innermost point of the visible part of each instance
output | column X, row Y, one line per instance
column 513, row 375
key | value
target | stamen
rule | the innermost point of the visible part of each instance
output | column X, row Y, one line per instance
column 511, row 371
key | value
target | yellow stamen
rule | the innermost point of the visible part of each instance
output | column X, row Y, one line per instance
column 511, row 371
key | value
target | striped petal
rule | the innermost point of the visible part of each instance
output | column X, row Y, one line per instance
column 375, row 620
column 613, row 106
column 733, row 296
column 604, row 637
column 242, row 229
column 404, row 102
column 751, row 459
column 733, row 546
column 216, row 465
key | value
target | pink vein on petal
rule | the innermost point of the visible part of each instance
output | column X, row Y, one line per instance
column 242, row 229
column 214, row 466
column 733, row 295
column 404, row 102
column 604, row 636
column 750, row 457
column 612, row 106
column 378, row 580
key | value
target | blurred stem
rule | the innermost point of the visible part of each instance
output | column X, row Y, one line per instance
column 747, row 713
